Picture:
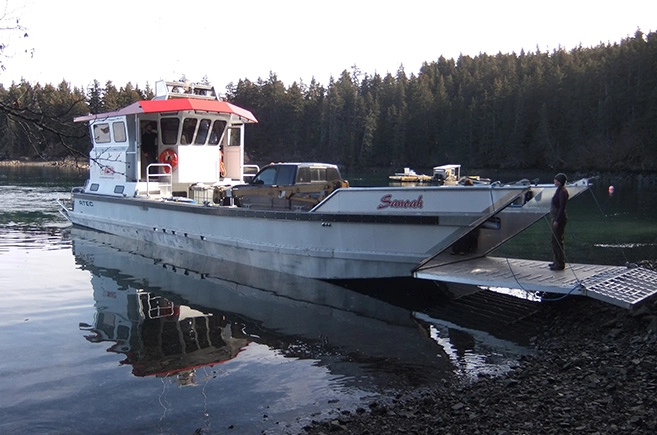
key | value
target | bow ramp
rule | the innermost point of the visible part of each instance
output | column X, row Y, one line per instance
column 618, row 285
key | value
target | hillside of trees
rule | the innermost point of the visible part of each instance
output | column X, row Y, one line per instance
column 586, row 109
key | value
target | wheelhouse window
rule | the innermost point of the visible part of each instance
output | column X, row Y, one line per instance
column 234, row 134
column 203, row 130
column 118, row 129
column 217, row 131
column 169, row 128
column 189, row 127
column 197, row 131
column 101, row 133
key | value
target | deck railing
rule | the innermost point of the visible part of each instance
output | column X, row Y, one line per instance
column 161, row 177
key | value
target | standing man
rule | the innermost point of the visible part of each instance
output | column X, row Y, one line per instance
column 148, row 147
column 559, row 219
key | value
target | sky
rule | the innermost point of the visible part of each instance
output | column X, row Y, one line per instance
column 142, row 41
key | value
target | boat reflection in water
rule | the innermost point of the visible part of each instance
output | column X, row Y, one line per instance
column 163, row 338
column 170, row 312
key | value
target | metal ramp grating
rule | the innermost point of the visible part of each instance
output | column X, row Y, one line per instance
column 626, row 289
column 617, row 285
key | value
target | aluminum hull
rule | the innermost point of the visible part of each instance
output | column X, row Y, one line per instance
column 511, row 221
column 344, row 237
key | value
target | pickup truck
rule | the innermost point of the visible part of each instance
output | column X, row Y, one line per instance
column 287, row 186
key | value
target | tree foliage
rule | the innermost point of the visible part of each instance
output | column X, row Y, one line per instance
column 587, row 108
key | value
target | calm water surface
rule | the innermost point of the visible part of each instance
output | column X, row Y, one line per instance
column 105, row 335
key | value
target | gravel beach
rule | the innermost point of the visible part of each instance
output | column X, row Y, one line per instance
column 593, row 372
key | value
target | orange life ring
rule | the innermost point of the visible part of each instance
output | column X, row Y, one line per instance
column 169, row 156
column 222, row 167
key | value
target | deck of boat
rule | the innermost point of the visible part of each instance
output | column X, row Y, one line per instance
column 618, row 285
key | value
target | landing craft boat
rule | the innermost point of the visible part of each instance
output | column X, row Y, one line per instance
column 296, row 218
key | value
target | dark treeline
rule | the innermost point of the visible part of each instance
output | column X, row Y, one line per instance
column 36, row 121
column 587, row 108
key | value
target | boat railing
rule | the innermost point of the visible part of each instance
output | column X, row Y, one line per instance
column 159, row 174
column 168, row 90
column 249, row 172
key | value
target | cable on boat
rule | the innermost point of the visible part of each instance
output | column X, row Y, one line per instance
column 515, row 277
column 579, row 282
column 562, row 297
column 506, row 257
column 572, row 235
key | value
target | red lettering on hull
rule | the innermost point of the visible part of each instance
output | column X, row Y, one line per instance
column 388, row 202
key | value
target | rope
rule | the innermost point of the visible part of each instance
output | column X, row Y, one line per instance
column 515, row 277
column 562, row 297
column 606, row 219
column 506, row 258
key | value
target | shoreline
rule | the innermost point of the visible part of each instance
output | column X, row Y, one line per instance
column 641, row 178
column 67, row 162
column 592, row 372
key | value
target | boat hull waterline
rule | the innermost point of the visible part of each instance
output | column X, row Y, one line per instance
column 342, row 242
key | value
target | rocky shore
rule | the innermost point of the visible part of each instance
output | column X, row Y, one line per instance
column 593, row 372
column 66, row 162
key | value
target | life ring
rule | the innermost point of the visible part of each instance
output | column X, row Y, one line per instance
column 169, row 156
column 222, row 167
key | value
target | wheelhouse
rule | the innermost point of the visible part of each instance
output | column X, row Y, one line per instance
column 199, row 139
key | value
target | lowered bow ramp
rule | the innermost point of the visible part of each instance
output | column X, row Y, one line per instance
column 617, row 285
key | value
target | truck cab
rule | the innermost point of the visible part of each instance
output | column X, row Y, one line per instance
column 289, row 186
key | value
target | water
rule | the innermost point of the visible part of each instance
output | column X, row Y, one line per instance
column 603, row 228
column 105, row 335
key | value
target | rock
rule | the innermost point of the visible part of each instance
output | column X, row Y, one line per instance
column 458, row 406
column 336, row 426
column 592, row 373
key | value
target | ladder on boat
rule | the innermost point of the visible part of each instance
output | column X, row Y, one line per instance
column 622, row 286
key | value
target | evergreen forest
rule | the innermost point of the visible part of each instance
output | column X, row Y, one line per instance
column 583, row 109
